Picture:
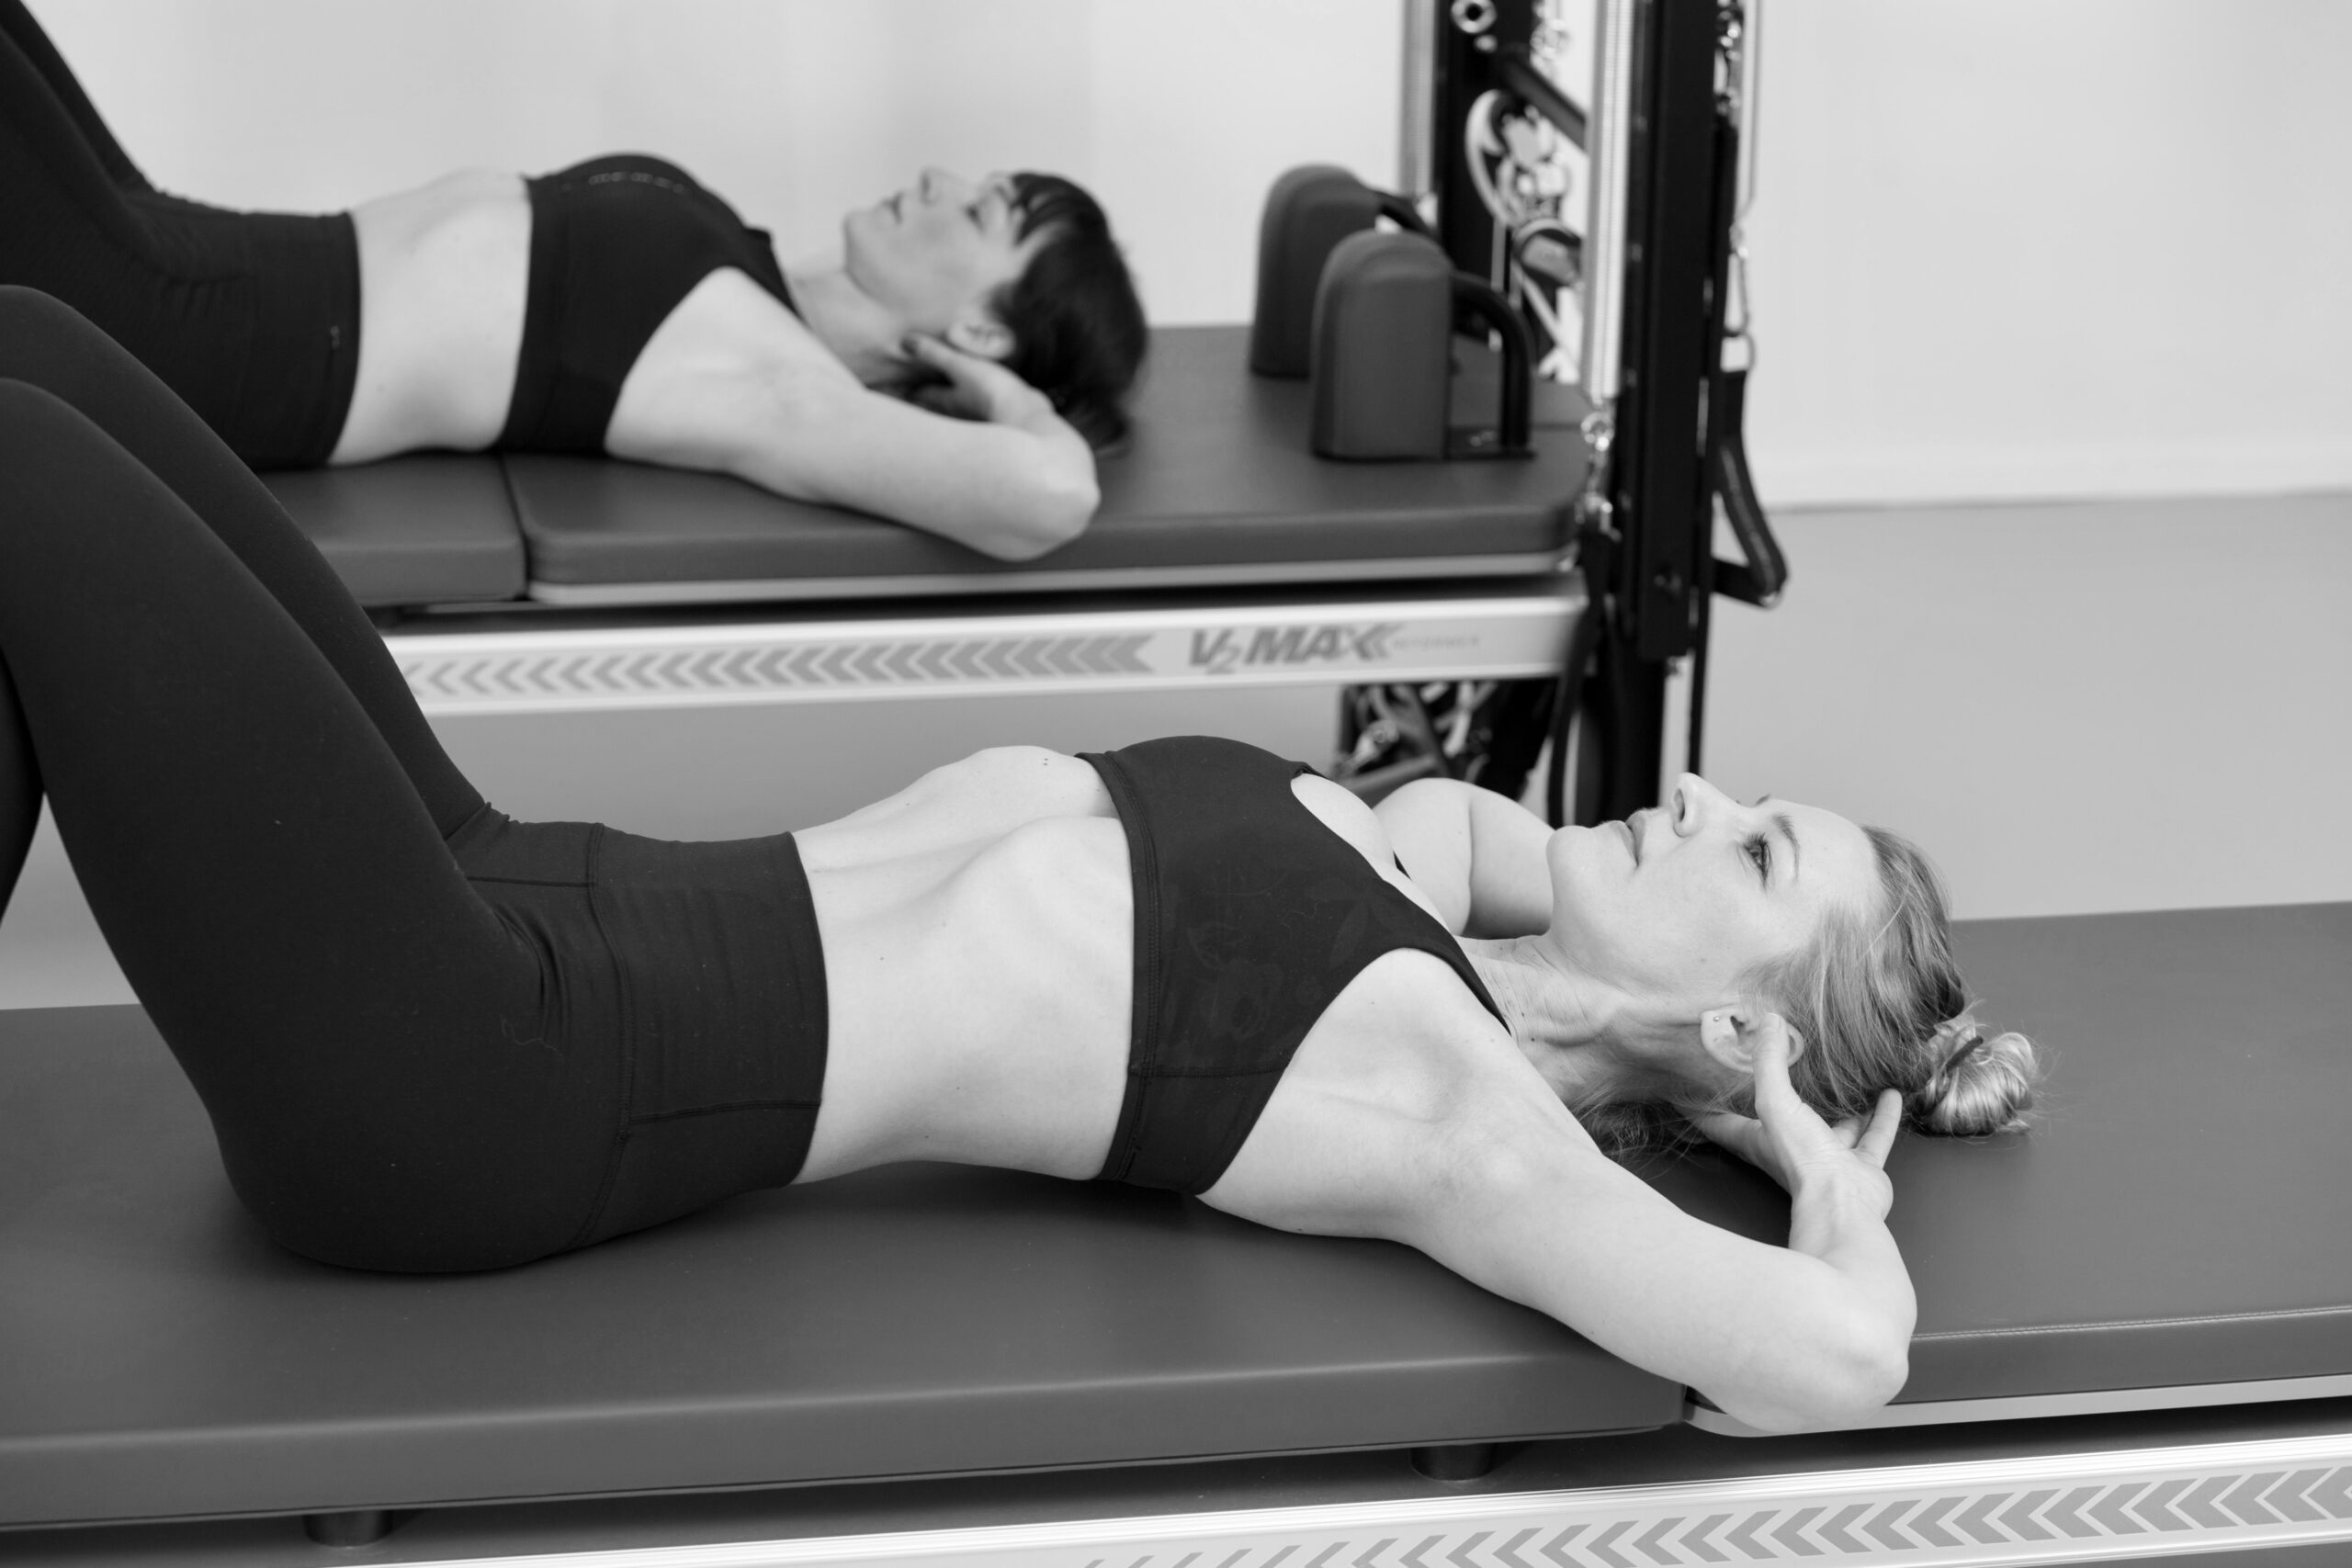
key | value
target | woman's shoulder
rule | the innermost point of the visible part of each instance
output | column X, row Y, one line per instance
column 1405, row 1088
column 1357, row 825
column 729, row 370
column 730, row 325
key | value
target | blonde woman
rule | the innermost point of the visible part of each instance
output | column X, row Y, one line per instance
column 431, row 1037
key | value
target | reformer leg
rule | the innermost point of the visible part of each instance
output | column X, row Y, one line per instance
column 256, row 812
column 355, row 1527
column 1456, row 1462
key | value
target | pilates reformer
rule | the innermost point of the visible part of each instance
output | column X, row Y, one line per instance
column 1224, row 553
column 2136, row 1329
column 2135, row 1339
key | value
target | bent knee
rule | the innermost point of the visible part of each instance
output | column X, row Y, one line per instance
column 1008, row 762
column 48, row 343
column 19, row 302
column 31, row 320
column 992, row 768
column 34, row 420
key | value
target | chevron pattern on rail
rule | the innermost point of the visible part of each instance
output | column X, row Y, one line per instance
column 1932, row 1530
column 660, row 672
column 2060, row 1507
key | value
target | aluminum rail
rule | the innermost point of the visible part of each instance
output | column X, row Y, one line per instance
column 1608, row 144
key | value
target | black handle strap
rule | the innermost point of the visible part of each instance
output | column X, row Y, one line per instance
column 1400, row 211
column 1594, row 636
column 1767, row 572
column 1481, row 300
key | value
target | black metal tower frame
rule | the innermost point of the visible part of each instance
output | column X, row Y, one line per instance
column 1650, row 568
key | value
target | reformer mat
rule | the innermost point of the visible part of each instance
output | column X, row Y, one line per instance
column 1216, row 475
column 2176, row 1223
column 2176, row 1232
column 429, row 528
column 1215, row 488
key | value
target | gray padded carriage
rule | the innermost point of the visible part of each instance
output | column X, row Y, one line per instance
column 2172, row 1233
column 1216, row 487
column 431, row 528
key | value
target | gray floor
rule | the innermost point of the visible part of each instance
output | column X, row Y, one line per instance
column 2116, row 705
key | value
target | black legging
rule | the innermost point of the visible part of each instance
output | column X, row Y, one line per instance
column 428, row 1037
column 252, row 318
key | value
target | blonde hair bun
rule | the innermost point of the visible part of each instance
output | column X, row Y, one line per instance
column 1984, row 1084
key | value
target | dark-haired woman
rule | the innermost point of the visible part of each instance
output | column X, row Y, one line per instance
column 431, row 1037
column 613, row 307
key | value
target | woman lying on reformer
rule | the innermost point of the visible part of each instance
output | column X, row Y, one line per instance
column 433, row 1038
column 615, row 307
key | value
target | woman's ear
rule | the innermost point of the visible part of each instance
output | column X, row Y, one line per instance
column 1719, row 1036
column 1729, row 1035
column 981, row 335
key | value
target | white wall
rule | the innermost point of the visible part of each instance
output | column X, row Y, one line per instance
column 1177, row 113
column 2115, row 704
column 2008, row 248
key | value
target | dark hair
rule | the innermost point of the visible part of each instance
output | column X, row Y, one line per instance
column 1077, row 328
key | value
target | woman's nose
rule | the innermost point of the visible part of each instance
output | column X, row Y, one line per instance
column 1693, row 800
column 937, row 184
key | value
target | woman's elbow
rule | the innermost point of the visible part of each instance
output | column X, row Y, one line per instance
column 1048, row 518
column 1860, row 1379
column 1843, row 1383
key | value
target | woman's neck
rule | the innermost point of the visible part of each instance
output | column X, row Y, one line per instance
column 863, row 334
column 1573, row 1029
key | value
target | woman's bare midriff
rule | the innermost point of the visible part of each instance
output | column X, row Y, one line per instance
column 444, row 273
column 979, row 931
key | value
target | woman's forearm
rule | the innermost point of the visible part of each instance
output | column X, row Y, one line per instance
column 1782, row 1339
column 1820, row 1349
column 1043, row 492
column 1012, row 490
column 1847, row 1229
column 1861, row 1315
column 1061, row 488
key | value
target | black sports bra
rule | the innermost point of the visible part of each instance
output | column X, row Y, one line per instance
column 616, row 244
column 1251, row 918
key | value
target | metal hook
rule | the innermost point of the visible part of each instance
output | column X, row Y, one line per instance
column 1594, row 505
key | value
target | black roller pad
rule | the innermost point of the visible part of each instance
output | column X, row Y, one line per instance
column 432, row 528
